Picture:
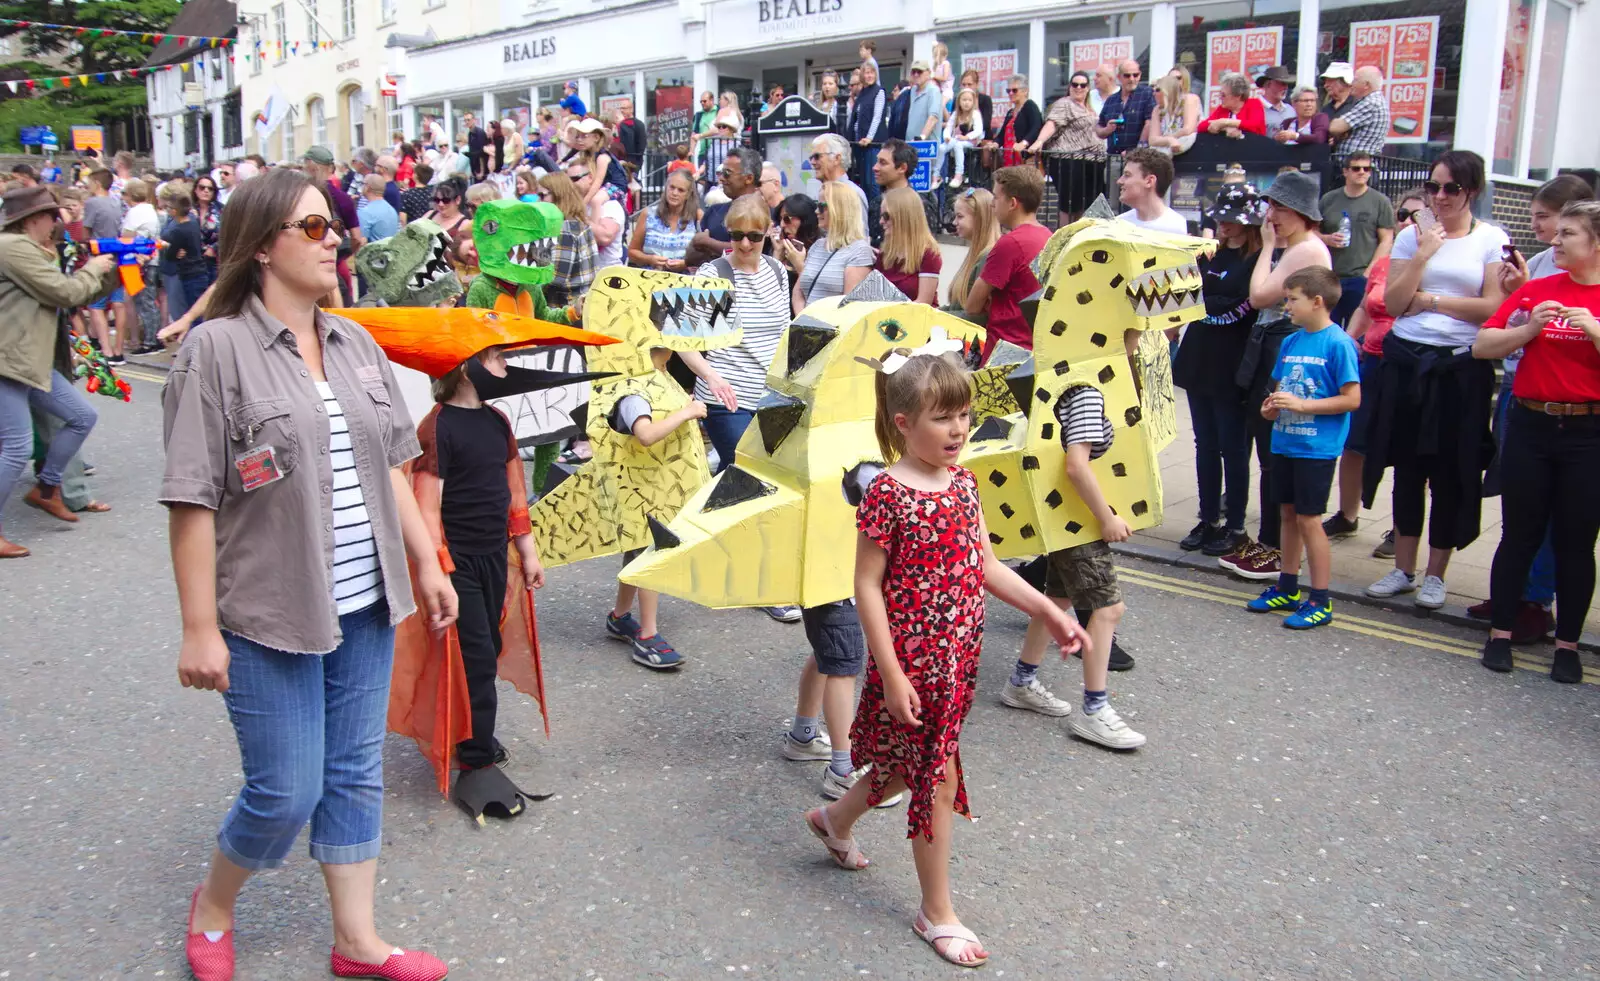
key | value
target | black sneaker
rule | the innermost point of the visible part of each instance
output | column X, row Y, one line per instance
column 1340, row 527
column 116, row 361
column 1497, row 654
column 1566, row 668
column 1120, row 660
column 1385, row 548
column 1197, row 536
column 1226, row 541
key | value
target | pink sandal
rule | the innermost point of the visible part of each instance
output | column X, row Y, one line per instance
column 959, row 936
column 853, row 860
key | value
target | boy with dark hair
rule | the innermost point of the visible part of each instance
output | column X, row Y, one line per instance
column 1008, row 277
column 1317, row 386
column 1146, row 175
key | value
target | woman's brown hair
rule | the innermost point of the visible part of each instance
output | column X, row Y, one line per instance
column 256, row 211
column 564, row 195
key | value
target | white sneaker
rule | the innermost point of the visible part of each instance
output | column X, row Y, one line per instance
column 1106, row 728
column 1393, row 584
column 1035, row 698
column 820, row 748
column 1431, row 595
column 835, row 786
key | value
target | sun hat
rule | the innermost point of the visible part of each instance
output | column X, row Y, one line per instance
column 590, row 125
column 25, row 202
column 1238, row 204
column 1277, row 73
column 1342, row 71
column 1297, row 192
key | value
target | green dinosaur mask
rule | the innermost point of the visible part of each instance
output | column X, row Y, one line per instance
column 515, row 240
column 409, row 269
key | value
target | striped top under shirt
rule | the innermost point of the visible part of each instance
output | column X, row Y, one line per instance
column 357, row 580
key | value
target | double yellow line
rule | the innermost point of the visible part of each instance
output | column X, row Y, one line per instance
column 140, row 376
column 1526, row 660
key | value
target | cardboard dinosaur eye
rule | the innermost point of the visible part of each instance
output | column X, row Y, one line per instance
column 891, row 330
column 491, row 227
column 616, row 282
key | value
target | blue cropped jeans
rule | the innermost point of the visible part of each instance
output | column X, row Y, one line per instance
column 310, row 730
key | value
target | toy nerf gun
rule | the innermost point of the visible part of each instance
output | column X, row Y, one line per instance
column 127, row 254
column 102, row 380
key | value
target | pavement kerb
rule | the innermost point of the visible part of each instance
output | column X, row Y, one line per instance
column 1455, row 616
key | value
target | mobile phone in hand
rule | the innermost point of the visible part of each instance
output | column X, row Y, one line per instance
column 1510, row 254
column 1426, row 220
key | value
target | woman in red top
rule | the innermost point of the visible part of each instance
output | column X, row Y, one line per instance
column 910, row 257
column 1369, row 325
column 1552, row 448
column 1239, row 113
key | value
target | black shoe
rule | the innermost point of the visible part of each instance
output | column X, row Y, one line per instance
column 1197, row 536
column 116, row 361
column 1339, row 526
column 1226, row 543
column 1121, row 660
column 1497, row 655
column 1566, row 668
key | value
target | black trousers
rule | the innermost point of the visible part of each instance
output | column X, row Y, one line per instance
column 480, row 582
column 1261, row 435
column 1549, row 472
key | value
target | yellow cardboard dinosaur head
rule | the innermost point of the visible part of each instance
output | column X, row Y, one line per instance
column 778, row 527
column 649, row 308
column 1101, row 278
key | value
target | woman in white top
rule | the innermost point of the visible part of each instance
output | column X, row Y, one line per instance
column 1177, row 118
column 837, row 262
column 1429, row 415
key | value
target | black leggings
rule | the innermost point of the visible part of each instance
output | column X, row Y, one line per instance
column 480, row 582
column 1549, row 472
column 1261, row 434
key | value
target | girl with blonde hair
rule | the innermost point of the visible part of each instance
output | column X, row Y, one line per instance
column 910, row 257
column 977, row 225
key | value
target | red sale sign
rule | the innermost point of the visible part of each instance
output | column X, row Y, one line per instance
column 1089, row 55
column 1249, row 52
column 1404, row 50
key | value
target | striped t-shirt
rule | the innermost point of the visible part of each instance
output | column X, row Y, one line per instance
column 1081, row 413
column 357, row 580
column 761, row 301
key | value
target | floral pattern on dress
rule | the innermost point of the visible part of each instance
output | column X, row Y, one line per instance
column 933, row 593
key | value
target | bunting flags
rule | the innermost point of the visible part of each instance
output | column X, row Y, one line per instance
column 98, row 32
column 67, row 81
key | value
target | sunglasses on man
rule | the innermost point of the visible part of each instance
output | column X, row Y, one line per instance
column 1132, row 74
column 316, row 227
column 1359, row 168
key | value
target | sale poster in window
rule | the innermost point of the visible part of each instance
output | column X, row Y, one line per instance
column 1089, row 55
column 1249, row 51
column 1404, row 51
column 993, row 68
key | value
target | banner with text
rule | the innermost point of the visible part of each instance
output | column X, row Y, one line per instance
column 1405, row 51
column 673, row 122
column 1248, row 51
column 1089, row 55
column 993, row 68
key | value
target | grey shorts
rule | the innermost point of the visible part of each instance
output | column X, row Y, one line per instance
column 1085, row 575
column 834, row 631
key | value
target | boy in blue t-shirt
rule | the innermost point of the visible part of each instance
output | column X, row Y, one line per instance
column 1317, row 387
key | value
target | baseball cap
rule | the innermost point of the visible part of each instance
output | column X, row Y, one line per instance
column 590, row 125
column 320, row 155
column 1342, row 71
column 919, row 65
column 572, row 84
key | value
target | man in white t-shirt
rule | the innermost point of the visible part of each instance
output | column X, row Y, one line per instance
column 606, row 222
column 1146, row 175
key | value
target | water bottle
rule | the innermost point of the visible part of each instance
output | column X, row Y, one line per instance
column 1344, row 231
column 1519, row 318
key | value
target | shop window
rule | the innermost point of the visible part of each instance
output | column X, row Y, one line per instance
column 1085, row 44
column 1215, row 38
column 1552, row 62
column 995, row 54
column 1420, row 58
column 514, row 105
column 609, row 92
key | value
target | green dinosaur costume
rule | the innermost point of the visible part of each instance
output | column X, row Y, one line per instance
column 409, row 269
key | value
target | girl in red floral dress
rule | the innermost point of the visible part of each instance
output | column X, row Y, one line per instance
column 923, row 561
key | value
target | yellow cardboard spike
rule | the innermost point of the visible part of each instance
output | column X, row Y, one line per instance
column 776, row 528
column 1102, row 278
column 602, row 508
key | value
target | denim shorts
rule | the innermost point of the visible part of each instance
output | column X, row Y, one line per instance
column 1303, row 483
column 118, row 295
column 834, row 631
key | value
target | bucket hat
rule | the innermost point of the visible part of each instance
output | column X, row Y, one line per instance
column 1239, row 204
column 1297, row 192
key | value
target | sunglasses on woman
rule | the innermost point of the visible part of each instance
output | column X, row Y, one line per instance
column 734, row 236
column 1404, row 214
column 1451, row 188
column 316, row 227
column 442, row 199
column 1012, row 91
column 1078, row 85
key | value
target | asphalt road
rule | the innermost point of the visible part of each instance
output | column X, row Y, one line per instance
column 1358, row 803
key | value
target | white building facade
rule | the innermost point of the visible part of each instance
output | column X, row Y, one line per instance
column 195, row 113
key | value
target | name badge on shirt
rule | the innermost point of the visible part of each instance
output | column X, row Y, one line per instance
column 258, row 468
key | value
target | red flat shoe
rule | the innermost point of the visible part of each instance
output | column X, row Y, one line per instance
column 210, row 960
column 402, row 965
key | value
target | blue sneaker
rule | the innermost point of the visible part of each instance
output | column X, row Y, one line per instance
column 1309, row 615
column 655, row 653
column 1275, row 599
column 624, row 627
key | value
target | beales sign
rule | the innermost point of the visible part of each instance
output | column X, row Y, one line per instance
column 737, row 24
column 530, row 49
column 816, row 13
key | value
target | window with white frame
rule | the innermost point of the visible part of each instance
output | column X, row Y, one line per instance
column 355, row 109
column 432, row 4
column 386, row 11
column 280, row 31
column 313, row 32
column 347, row 25
column 287, row 127
column 319, row 122
column 1530, row 88
column 394, row 119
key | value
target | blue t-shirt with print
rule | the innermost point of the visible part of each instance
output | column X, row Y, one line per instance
column 1313, row 366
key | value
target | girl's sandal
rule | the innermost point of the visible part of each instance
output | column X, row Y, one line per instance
column 95, row 507
column 959, row 936
column 843, row 851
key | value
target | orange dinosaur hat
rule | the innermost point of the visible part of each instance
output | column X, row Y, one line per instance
column 434, row 341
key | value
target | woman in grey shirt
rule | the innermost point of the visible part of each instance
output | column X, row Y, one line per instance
column 291, row 524
column 840, row 259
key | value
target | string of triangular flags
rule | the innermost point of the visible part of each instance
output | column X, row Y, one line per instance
column 149, row 36
column 102, row 78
